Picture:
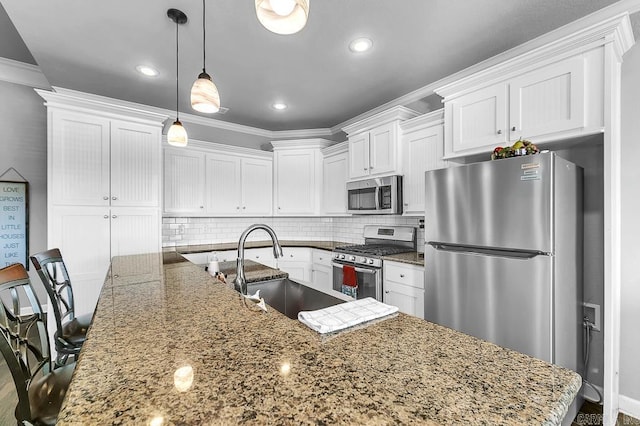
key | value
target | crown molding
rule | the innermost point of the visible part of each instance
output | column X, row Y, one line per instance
column 572, row 39
column 22, row 73
column 218, row 147
column 114, row 108
column 339, row 148
column 302, row 143
column 396, row 113
column 426, row 120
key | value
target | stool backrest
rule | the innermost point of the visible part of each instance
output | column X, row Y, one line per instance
column 55, row 278
column 23, row 336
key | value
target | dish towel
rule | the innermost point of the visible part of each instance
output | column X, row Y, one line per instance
column 345, row 315
column 349, row 281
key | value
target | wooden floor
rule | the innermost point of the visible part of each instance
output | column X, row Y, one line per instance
column 591, row 414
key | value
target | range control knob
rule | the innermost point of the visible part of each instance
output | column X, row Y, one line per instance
column 370, row 261
column 352, row 258
column 342, row 256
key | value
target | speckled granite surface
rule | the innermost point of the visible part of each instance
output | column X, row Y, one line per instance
column 263, row 368
column 412, row 258
column 326, row 245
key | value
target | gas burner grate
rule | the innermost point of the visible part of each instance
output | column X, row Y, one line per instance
column 373, row 249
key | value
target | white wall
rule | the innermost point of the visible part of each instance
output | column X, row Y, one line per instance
column 630, row 292
column 23, row 146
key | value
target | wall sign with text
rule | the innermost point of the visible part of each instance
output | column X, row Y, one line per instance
column 14, row 213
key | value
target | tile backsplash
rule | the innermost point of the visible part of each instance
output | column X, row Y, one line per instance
column 211, row 230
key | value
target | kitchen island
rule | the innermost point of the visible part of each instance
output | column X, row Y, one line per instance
column 171, row 345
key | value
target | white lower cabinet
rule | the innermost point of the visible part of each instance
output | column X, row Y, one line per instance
column 296, row 261
column 262, row 255
column 403, row 286
column 88, row 237
column 322, row 271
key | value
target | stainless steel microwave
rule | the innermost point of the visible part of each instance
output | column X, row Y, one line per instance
column 381, row 195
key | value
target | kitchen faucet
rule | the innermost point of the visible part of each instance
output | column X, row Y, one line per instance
column 240, row 283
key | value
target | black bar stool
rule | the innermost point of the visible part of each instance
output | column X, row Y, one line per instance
column 71, row 330
column 25, row 347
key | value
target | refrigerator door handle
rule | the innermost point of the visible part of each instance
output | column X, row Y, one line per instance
column 488, row 251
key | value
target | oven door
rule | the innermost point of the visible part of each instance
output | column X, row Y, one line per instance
column 369, row 281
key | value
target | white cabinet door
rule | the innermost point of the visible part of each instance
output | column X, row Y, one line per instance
column 134, row 231
column 295, row 177
column 359, row 156
column 262, row 255
column 479, row 119
column 135, row 164
column 334, row 190
column 422, row 151
column 79, row 159
column 223, row 184
column 548, row 100
column 83, row 236
column 322, row 278
column 184, row 180
column 257, row 187
column 298, row 271
column 409, row 300
column 383, row 149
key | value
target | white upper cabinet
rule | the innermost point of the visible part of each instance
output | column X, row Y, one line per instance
column 374, row 143
column 135, row 165
column 334, row 175
column 79, row 152
column 184, row 179
column 542, row 101
column 298, row 176
column 422, row 148
column 207, row 179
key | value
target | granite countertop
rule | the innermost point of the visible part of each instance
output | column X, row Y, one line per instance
column 264, row 368
column 413, row 258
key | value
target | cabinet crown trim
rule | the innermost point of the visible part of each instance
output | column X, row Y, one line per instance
column 317, row 143
column 339, row 148
column 213, row 147
column 433, row 118
column 99, row 105
column 397, row 113
column 615, row 30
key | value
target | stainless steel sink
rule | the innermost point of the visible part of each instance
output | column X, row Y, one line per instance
column 290, row 297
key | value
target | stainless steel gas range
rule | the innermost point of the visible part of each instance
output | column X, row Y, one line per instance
column 366, row 258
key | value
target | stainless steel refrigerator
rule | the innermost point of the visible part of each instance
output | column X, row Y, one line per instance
column 503, row 254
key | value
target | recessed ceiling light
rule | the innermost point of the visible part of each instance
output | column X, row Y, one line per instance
column 147, row 70
column 360, row 45
column 279, row 106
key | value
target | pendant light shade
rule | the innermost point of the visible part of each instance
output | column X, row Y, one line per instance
column 283, row 16
column 204, row 93
column 177, row 135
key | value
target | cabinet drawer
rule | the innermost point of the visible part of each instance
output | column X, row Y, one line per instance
column 263, row 255
column 404, row 274
column 321, row 257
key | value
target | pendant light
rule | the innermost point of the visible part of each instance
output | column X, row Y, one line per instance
column 204, row 93
column 177, row 135
column 283, row 16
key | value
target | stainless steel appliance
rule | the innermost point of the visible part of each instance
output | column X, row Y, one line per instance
column 367, row 258
column 381, row 195
column 503, row 254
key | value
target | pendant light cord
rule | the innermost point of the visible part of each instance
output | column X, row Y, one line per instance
column 177, row 71
column 204, row 39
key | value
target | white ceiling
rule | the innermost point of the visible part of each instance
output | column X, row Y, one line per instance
column 95, row 46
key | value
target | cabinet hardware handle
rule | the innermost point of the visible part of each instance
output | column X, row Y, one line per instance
column 114, row 216
column 202, row 207
column 244, row 207
column 371, row 167
column 290, row 255
column 513, row 129
column 116, row 276
column 320, row 258
column 105, row 198
column 387, row 291
column 499, row 132
column 106, row 216
column 238, row 208
column 114, row 198
column 406, row 204
column 401, row 275
column 278, row 208
column 365, row 168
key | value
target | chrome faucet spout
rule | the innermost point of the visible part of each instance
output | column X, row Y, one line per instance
column 240, row 283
